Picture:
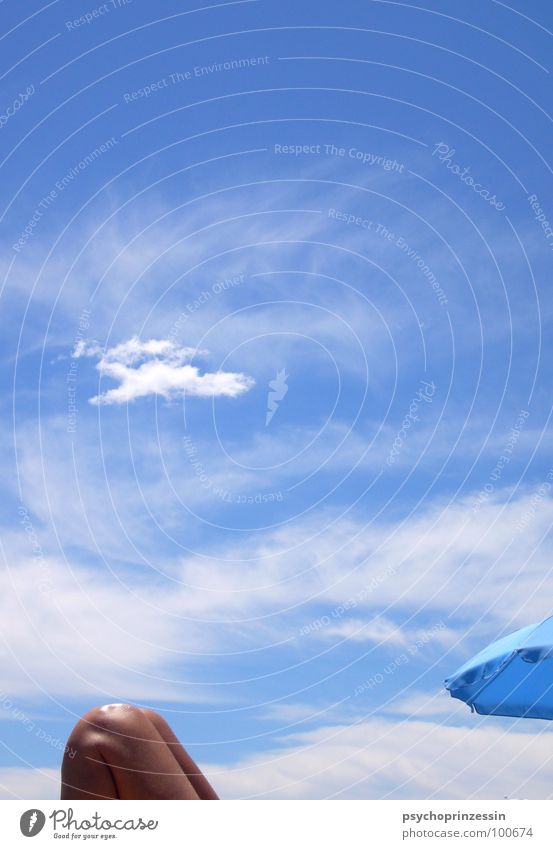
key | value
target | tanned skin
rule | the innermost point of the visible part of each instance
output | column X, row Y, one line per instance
column 125, row 752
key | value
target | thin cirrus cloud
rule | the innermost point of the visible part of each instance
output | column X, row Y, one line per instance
column 385, row 758
column 157, row 367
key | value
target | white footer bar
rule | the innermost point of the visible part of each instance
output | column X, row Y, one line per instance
column 278, row 824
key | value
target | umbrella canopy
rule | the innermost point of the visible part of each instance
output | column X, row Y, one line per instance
column 512, row 677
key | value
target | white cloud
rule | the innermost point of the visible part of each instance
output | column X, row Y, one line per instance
column 405, row 760
column 377, row 630
column 382, row 630
column 158, row 367
column 76, row 631
column 443, row 558
column 27, row 783
column 421, row 705
column 381, row 581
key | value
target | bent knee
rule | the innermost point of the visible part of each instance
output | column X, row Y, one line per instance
column 113, row 717
column 106, row 720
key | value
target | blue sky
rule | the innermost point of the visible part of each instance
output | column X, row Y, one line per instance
column 334, row 214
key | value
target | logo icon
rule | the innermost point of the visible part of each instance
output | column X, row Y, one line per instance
column 32, row 822
column 279, row 389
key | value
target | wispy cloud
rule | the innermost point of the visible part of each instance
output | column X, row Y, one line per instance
column 476, row 566
column 379, row 630
column 420, row 705
column 158, row 367
column 26, row 783
column 404, row 760
column 77, row 631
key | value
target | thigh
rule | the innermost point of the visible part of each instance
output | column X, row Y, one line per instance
column 198, row 780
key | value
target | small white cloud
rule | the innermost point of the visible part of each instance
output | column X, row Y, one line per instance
column 158, row 367
column 421, row 705
column 85, row 349
column 378, row 630
column 26, row 783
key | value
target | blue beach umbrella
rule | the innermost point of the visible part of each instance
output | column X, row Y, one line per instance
column 512, row 677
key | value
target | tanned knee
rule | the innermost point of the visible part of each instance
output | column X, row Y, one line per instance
column 115, row 717
column 104, row 720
